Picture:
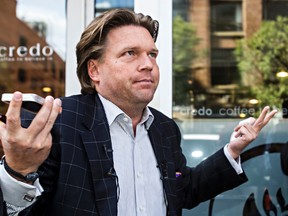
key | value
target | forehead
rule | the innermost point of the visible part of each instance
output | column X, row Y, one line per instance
column 132, row 35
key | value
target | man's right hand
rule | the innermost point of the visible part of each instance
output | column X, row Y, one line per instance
column 26, row 149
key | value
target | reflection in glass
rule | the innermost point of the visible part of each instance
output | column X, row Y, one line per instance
column 32, row 47
column 227, row 60
column 103, row 5
column 224, row 57
column 226, row 16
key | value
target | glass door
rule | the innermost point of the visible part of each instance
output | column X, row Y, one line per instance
column 227, row 65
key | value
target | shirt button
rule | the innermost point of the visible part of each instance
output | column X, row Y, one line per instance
column 141, row 208
column 125, row 119
column 139, row 175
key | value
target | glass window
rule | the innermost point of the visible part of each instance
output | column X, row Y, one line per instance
column 223, row 67
column 179, row 8
column 272, row 9
column 224, row 73
column 226, row 16
column 32, row 47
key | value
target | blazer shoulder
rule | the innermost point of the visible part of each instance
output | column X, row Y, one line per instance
column 73, row 99
column 163, row 121
column 160, row 115
column 75, row 103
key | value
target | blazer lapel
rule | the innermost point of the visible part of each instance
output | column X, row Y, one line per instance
column 98, row 146
column 164, row 158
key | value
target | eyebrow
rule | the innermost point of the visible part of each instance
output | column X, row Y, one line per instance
column 155, row 50
column 138, row 48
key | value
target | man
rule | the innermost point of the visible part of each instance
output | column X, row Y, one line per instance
column 108, row 153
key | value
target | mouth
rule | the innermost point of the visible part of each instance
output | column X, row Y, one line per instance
column 145, row 81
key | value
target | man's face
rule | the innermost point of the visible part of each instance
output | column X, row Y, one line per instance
column 128, row 75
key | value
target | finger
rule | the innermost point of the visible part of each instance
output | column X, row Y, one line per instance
column 42, row 116
column 57, row 108
column 246, row 131
column 262, row 116
column 13, row 112
column 249, row 120
column 45, row 133
column 269, row 116
column 241, row 131
column 237, row 127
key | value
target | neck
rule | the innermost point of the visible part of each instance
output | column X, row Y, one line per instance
column 135, row 113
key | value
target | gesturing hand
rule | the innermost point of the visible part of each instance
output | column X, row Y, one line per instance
column 247, row 131
column 25, row 149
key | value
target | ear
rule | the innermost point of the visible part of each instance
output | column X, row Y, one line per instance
column 93, row 70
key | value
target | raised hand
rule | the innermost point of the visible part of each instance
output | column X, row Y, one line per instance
column 248, row 131
column 25, row 149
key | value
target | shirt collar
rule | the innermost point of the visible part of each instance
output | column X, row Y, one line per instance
column 112, row 111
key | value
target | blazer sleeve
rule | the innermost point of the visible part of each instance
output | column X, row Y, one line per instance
column 211, row 177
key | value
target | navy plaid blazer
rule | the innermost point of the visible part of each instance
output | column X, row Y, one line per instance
column 76, row 177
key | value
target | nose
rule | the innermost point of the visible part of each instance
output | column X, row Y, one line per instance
column 145, row 63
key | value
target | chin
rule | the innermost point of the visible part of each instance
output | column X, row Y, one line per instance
column 144, row 99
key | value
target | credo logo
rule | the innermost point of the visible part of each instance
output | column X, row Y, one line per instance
column 24, row 53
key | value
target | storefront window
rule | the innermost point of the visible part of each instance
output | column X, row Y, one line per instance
column 32, row 47
column 229, row 61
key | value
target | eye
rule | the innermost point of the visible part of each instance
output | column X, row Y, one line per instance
column 130, row 53
column 153, row 54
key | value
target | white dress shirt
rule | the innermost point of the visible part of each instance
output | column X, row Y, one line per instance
column 141, row 189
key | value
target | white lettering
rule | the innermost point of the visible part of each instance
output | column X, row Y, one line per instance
column 3, row 51
column 11, row 50
column 45, row 53
column 22, row 51
column 35, row 50
column 222, row 111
